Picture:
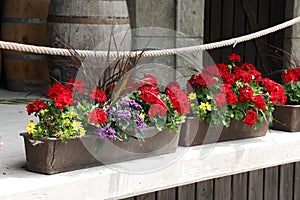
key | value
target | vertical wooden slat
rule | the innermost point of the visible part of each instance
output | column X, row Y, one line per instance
column 227, row 27
column 271, row 183
column 263, row 21
column 255, row 185
column 149, row 196
column 250, row 9
column 297, row 181
column 186, row 192
column 206, row 56
column 215, row 27
column 222, row 188
column 207, row 21
column 205, row 190
column 239, row 186
column 239, row 27
column 276, row 39
column 169, row 194
column 286, row 182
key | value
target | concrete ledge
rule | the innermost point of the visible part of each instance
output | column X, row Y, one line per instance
column 187, row 165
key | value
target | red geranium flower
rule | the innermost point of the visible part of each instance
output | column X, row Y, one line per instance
column 55, row 90
column 259, row 102
column 223, row 67
column 97, row 95
column 157, row 109
column 64, row 99
column 250, row 118
column 150, row 95
column 234, row 57
column 220, row 99
column 246, row 94
column 148, row 80
column 76, row 85
column 291, row 75
column 178, row 98
column 35, row 107
column 97, row 116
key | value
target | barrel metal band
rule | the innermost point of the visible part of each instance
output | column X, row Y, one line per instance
column 88, row 20
column 24, row 20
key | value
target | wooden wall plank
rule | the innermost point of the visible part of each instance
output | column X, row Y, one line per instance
column 205, row 190
column 169, row 194
column 227, row 27
column 255, row 185
column 250, row 9
column 297, row 181
column 239, row 27
column 263, row 21
column 222, row 188
column 286, row 182
column 239, row 186
column 271, row 183
column 277, row 16
column 149, row 196
column 215, row 28
column 186, row 192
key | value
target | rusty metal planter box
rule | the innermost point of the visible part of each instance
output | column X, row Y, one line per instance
column 52, row 156
column 194, row 132
column 286, row 118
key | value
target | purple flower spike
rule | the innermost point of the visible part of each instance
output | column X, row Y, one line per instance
column 139, row 122
column 124, row 114
column 131, row 103
column 105, row 133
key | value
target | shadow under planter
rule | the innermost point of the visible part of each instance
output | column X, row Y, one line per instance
column 194, row 132
column 51, row 155
column 286, row 118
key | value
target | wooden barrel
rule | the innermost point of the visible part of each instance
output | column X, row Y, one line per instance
column 82, row 24
column 24, row 21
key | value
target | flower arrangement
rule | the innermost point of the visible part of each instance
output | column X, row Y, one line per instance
column 224, row 92
column 163, row 109
column 72, row 111
column 291, row 85
column 57, row 115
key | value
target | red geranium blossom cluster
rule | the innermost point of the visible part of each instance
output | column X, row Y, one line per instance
column 231, row 85
column 178, row 98
column 150, row 93
column 36, row 106
column 97, row 116
column 61, row 95
column 291, row 75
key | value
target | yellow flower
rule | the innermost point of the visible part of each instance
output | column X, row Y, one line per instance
column 192, row 96
column 202, row 106
column 215, row 108
column 142, row 115
column 82, row 131
column 30, row 128
column 31, row 120
column 71, row 115
column 192, row 104
column 44, row 111
column 76, row 125
column 63, row 115
column 208, row 106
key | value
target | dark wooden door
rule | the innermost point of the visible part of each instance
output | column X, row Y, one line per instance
column 225, row 19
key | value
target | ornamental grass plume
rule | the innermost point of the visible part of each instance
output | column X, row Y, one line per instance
column 224, row 92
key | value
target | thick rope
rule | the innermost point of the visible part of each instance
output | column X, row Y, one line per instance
column 89, row 53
